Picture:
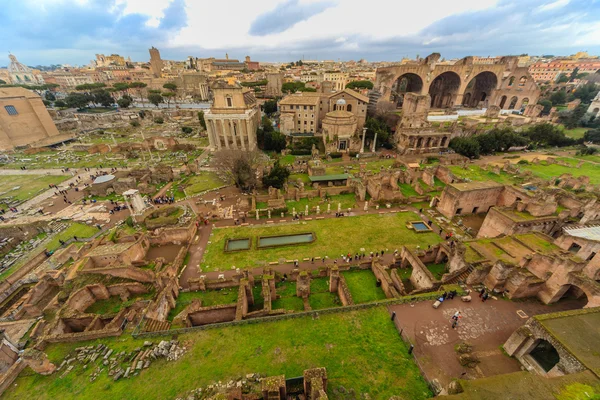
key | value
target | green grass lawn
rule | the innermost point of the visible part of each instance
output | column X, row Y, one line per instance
column 287, row 297
column 335, row 236
column 75, row 229
column 376, row 166
column 320, row 297
column 437, row 270
column 209, row 298
column 363, row 286
column 201, row 182
column 476, row 173
column 293, row 178
column 575, row 133
column 29, row 186
column 361, row 351
column 554, row 171
column 114, row 304
column 346, row 200
column 407, row 190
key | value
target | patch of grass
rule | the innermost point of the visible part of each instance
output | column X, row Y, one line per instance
column 376, row 166
column 320, row 297
column 361, row 351
column 209, row 298
column 554, row 171
column 407, row 190
column 113, row 304
column 288, row 303
column 303, row 177
column 476, row 173
column 346, row 201
column 26, row 186
column 201, row 182
column 75, row 229
column 576, row 133
column 335, row 236
column 437, row 270
column 363, row 286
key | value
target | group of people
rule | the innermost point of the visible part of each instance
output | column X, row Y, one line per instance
column 164, row 200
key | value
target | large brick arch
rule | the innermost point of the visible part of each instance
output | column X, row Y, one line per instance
column 428, row 69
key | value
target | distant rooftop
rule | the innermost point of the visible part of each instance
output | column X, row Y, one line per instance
column 586, row 232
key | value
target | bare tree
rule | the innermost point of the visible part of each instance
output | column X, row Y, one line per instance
column 238, row 166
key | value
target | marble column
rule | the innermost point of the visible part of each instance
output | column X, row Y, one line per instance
column 224, row 133
column 233, row 135
column 362, row 148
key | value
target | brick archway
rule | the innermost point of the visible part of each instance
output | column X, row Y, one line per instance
column 444, row 89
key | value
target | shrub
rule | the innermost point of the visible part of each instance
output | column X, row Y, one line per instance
column 186, row 129
column 335, row 155
column 135, row 124
column 159, row 120
column 523, row 162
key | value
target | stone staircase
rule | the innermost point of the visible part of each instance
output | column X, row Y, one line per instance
column 462, row 277
column 153, row 325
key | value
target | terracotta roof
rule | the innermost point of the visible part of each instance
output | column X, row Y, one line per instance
column 352, row 93
column 299, row 99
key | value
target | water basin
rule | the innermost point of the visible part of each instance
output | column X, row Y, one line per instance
column 285, row 240
column 237, row 244
column 420, row 226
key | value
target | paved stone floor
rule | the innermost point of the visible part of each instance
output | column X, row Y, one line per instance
column 486, row 326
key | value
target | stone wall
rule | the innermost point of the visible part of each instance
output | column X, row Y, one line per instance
column 213, row 315
column 421, row 278
column 386, row 282
column 524, row 340
column 469, row 199
column 344, row 292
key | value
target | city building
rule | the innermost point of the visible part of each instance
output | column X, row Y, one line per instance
column 111, row 60
column 594, row 108
column 304, row 112
column 233, row 118
column 25, row 121
column 339, row 79
column 550, row 71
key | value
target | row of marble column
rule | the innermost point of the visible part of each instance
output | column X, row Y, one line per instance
column 231, row 134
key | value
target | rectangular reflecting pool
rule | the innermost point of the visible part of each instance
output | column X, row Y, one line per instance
column 285, row 240
column 420, row 226
column 237, row 244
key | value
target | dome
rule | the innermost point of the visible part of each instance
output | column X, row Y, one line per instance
column 341, row 102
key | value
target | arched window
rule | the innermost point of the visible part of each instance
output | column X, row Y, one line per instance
column 511, row 81
column 349, row 107
column 523, row 81
column 513, row 103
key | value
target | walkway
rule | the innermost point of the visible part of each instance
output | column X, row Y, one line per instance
column 486, row 326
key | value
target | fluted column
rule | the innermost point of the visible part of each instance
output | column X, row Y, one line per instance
column 224, row 133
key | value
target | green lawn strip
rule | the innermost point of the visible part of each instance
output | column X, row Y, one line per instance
column 437, row 270
column 363, row 286
column 114, row 304
column 27, row 186
column 407, row 190
column 334, row 237
column 201, row 182
column 476, row 173
column 554, row 171
column 576, row 133
column 346, row 201
column 360, row 349
column 75, row 229
column 293, row 178
column 209, row 298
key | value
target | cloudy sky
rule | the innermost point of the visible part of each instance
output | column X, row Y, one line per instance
column 73, row 31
